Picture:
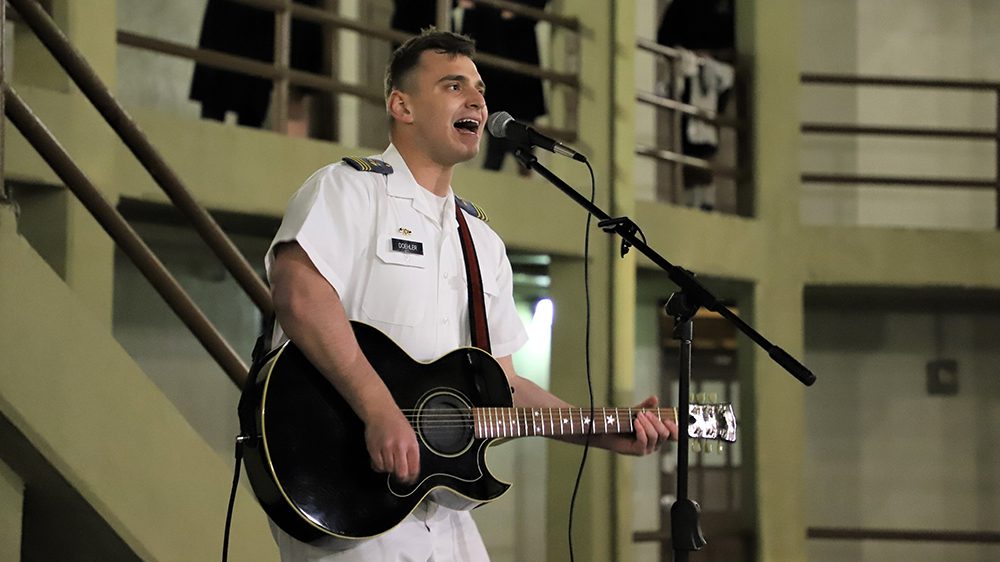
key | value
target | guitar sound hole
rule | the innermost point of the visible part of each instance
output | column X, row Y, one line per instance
column 445, row 424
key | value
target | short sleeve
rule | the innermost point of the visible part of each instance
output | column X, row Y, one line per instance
column 330, row 217
column 507, row 332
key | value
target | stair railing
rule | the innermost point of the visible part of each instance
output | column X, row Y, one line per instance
column 42, row 140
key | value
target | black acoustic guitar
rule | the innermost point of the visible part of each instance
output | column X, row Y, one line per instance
column 310, row 469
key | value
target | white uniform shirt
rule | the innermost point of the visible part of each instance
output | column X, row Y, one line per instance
column 395, row 258
column 350, row 223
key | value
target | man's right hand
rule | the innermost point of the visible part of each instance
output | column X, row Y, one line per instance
column 312, row 315
column 392, row 445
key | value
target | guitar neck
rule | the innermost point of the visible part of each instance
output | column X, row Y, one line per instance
column 554, row 422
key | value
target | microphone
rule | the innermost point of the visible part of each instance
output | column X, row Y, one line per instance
column 502, row 126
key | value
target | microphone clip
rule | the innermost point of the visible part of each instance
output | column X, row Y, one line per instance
column 625, row 227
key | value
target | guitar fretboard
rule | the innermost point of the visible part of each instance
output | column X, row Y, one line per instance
column 524, row 422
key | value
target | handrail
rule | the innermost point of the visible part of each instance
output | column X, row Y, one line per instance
column 121, row 232
column 853, row 533
column 95, row 90
column 918, row 132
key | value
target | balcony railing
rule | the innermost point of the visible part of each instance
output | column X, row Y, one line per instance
column 671, row 151
column 991, row 134
column 284, row 77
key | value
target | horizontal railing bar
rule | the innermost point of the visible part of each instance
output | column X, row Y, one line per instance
column 121, row 232
column 836, row 129
column 323, row 16
column 243, row 65
column 225, row 61
column 319, row 15
column 901, row 82
column 667, row 103
column 656, row 48
column 569, row 79
column 672, row 104
column 989, row 537
column 567, row 22
column 898, row 180
column 304, row 12
column 690, row 161
column 123, row 125
column 670, row 156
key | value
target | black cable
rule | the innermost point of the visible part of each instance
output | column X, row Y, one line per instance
column 232, row 496
column 590, row 386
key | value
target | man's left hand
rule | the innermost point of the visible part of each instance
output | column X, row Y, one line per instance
column 650, row 432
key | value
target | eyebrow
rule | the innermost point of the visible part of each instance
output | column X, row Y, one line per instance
column 460, row 78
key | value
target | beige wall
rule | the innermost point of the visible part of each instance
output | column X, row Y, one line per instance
column 883, row 452
column 11, row 511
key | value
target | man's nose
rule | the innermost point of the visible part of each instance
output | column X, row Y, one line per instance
column 476, row 100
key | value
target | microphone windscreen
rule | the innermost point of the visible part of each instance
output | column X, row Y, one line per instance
column 497, row 122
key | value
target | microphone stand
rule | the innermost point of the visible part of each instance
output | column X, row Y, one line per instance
column 685, row 531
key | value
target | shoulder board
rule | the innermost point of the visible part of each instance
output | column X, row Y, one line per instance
column 368, row 165
column 472, row 209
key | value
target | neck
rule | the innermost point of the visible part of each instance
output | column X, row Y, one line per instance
column 431, row 175
column 555, row 422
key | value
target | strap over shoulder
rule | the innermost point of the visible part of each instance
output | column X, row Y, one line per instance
column 472, row 209
column 368, row 165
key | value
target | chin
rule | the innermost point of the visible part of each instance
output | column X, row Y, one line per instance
column 467, row 154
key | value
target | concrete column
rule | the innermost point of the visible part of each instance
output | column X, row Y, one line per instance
column 594, row 525
column 623, row 276
column 769, row 38
column 91, row 27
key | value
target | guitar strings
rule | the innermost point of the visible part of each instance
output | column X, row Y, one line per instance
column 522, row 422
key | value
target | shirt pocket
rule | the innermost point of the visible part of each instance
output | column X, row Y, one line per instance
column 491, row 290
column 398, row 286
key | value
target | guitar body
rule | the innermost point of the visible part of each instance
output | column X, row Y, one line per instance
column 309, row 465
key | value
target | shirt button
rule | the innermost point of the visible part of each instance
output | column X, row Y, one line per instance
column 444, row 320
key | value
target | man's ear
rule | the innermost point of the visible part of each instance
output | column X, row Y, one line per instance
column 399, row 106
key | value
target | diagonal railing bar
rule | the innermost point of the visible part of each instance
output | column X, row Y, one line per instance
column 105, row 103
column 121, row 232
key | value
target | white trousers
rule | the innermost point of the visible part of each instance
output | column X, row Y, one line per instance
column 430, row 534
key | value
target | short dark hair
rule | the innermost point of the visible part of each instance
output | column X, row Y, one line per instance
column 405, row 58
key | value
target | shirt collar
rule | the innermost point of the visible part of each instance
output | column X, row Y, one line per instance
column 401, row 183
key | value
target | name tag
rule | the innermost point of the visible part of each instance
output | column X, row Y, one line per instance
column 407, row 246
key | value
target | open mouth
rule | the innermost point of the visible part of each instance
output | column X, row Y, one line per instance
column 467, row 125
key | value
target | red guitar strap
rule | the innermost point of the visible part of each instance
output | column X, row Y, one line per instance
column 477, row 304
